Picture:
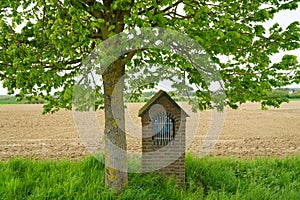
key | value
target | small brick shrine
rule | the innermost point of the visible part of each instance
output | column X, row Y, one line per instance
column 163, row 136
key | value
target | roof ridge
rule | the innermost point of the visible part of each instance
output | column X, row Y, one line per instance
column 156, row 97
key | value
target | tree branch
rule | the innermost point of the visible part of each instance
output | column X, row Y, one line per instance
column 164, row 10
column 86, row 5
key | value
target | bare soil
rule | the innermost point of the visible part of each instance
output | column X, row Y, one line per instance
column 247, row 132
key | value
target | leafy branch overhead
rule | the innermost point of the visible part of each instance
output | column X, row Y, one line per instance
column 56, row 36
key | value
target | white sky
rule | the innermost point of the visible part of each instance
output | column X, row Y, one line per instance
column 2, row 91
column 284, row 18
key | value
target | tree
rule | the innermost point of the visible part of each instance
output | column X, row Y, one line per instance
column 56, row 37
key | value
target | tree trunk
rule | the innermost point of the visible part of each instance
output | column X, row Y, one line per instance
column 115, row 138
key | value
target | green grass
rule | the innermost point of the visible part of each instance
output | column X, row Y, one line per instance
column 9, row 101
column 207, row 178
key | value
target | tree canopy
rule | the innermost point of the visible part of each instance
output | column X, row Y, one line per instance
column 57, row 36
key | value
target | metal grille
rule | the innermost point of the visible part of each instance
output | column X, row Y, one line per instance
column 163, row 129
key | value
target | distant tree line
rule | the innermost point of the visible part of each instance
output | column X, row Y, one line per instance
column 9, row 99
column 289, row 93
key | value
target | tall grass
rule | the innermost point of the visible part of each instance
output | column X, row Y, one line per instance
column 207, row 178
column 231, row 178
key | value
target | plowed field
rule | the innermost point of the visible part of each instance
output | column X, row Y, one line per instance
column 247, row 132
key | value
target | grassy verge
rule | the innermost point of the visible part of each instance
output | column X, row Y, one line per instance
column 207, row 178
